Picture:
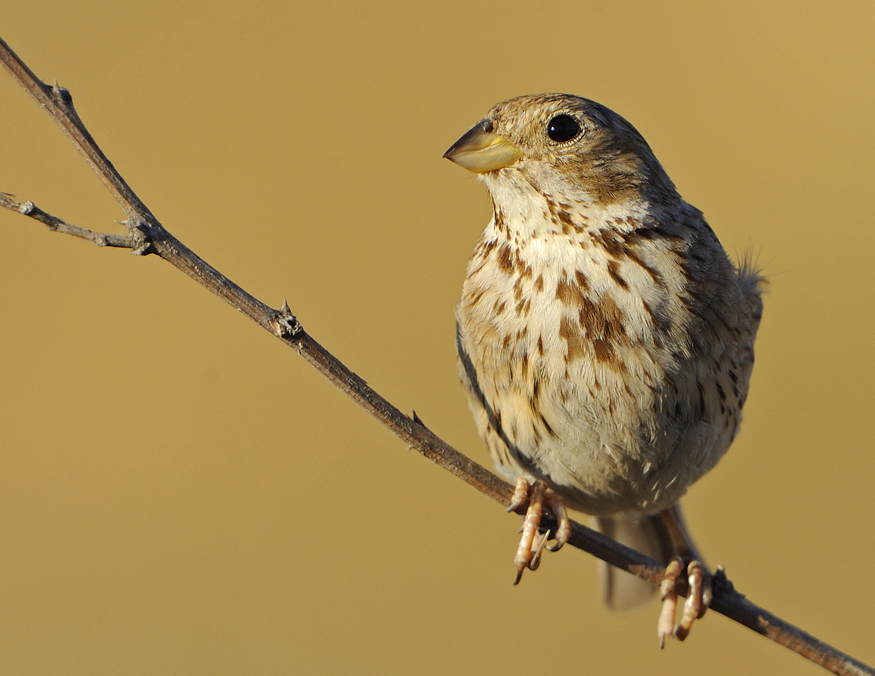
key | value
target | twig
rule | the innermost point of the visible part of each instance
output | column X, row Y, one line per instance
column 148, row 236
column 55, row 224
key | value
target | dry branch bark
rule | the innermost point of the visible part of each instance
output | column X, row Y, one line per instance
column 148, row 236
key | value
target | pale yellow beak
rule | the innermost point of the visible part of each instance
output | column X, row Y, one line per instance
column 481, row 150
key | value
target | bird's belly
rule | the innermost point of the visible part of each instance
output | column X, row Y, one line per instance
column 601, row 426
column 595, row 436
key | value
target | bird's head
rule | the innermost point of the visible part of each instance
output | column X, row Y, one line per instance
column 563, row 145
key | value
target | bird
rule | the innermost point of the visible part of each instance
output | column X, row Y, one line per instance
column 605, row 338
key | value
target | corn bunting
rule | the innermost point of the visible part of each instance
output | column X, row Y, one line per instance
column 605, row 338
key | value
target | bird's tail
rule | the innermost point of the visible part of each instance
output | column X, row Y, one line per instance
column 646, row 533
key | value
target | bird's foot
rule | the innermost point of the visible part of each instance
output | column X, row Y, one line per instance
column 697, row 581
column 536, row 496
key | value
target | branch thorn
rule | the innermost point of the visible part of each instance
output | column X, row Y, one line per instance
column 418, row 420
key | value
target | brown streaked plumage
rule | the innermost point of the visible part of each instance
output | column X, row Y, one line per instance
column 605, row 338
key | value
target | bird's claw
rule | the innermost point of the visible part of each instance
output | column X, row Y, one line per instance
column 699, row 593
column 532, row 542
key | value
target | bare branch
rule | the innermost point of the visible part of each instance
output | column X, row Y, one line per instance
column 133, row 241
column 150, row 237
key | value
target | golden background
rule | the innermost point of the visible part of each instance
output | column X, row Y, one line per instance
column 180, row 494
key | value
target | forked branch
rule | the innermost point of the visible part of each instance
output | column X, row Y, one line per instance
column 148, row 236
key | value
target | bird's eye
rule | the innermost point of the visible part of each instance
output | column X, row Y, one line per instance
column 563, row 128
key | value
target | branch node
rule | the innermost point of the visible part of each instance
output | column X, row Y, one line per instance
column 63, row 94
column 284, row 324
column 142, row 245
column 720, row 584
column 26, row 208
column 142, row 242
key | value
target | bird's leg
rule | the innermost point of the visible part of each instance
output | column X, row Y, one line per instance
column 563, row 523
column 527, row 549
column 687, row 564
column 532, row 543
column 669, row 597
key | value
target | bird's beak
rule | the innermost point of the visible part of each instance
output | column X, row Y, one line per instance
column 481, row 150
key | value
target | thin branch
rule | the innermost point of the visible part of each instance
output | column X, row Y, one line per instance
column 148, row 236
column 55, row 224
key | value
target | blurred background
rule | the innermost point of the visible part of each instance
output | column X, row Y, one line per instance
column 181, row 494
